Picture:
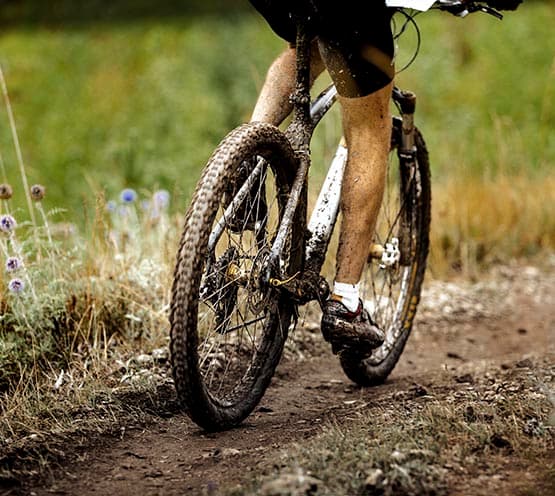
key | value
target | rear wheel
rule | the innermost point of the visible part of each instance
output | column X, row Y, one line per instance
column 391, row 285
column 228, row 326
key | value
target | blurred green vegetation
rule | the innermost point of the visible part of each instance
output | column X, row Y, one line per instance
column 55, row 12
column 486, row 90
column 140, row 103
column 137, row 94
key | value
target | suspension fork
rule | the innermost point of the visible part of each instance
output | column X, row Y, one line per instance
column 407, row 160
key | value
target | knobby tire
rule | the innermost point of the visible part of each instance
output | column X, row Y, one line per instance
column 222, row 367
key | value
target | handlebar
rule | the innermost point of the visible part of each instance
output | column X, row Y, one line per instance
column 462, row 8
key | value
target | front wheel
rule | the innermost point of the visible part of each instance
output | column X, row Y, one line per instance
column 228, row 326
column 391, row 285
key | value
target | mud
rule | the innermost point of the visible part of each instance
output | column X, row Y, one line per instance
column 462, row 329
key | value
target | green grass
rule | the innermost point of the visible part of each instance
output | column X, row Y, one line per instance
column 103, row 105
column 486, row 91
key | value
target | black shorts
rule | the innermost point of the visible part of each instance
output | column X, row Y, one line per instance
column 354, row 37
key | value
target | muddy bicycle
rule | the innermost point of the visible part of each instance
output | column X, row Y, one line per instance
column 237, row 287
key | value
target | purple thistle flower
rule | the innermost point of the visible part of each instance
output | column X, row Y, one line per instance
column 13, row 264
column 128, row 195
column 16, row 285
column 161, row 198
column 7, row 223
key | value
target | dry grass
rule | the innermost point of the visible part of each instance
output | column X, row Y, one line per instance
column 95, row 305
column 431, row 441
column 477, row 222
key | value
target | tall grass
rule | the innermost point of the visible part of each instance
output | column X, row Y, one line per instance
column 73, row 308
column 479, row 222
column 96, row 304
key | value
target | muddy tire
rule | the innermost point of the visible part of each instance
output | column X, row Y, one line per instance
column 392, row 293
column 227, row 327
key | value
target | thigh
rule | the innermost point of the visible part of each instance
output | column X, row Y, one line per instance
column 356, row 45
column 354, row 39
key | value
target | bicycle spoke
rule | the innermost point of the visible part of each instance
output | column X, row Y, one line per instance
column 231, row 331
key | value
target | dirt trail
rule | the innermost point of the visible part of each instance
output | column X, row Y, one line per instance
column 461, row 328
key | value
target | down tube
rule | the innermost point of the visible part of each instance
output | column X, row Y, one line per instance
column 324, row 215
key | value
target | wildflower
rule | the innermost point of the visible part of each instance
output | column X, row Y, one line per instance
column 122, row 211
column 6, row 192
column 13, row 264
column 16, row 285
column 128, row 195
column 161, row 198
column 111, row 206
column 37, row 192
column 7, row 223
column 145, row 205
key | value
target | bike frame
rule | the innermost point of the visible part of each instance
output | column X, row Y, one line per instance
column 324, row 215
column 306, row 116
column 320, row 227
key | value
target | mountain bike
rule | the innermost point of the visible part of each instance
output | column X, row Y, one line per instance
column 237, row 287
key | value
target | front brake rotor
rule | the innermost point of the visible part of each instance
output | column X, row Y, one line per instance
column 219, row 288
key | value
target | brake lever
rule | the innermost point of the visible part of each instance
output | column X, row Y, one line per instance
column 491, row 11
column 462, row 9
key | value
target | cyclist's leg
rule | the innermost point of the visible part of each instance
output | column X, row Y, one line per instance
column 360, row 63
column 356, row 45
column 367, row 128
column 273, row 104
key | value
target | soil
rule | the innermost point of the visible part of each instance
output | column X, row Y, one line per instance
column 506, row 320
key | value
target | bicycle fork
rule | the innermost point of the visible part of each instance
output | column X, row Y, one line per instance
column 409, row 171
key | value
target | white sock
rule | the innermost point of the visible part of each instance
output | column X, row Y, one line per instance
column 349, row 294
